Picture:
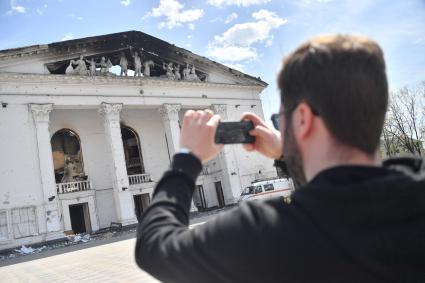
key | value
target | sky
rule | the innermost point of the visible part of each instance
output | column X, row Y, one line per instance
column 250, row 35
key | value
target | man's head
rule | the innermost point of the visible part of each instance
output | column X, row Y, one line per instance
column 334, row 96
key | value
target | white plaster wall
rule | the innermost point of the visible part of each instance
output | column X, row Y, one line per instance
column 19, row 167
column 105, row 205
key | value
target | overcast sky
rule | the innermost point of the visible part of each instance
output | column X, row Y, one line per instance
column 250, row 35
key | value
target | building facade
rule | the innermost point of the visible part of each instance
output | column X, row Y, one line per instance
column 82, row 147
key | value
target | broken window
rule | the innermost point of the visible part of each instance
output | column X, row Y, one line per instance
column 4, row 229
column 24, row 222
column 133, row 155
column 67, row 157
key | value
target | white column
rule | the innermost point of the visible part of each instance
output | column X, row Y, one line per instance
column 123, row 199
column 40, row 113
column 170, row 118
column 230, row 180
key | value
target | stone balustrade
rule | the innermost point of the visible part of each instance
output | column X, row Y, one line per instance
column 205, row 171
column 139, row 179
column 70, row 187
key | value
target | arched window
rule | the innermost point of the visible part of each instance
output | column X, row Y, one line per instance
column 67, row 157
column 133, row 154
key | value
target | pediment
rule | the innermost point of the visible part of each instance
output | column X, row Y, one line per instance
column 161, row 59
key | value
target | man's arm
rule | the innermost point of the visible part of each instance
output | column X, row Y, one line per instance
column 226, row 249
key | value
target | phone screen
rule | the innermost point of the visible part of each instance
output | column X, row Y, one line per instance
column 234, row 132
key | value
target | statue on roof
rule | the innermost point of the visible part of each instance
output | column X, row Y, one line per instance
column 80, row 69
column 193, row 76
column 105, row 66
column 186, row 72
column 189, row 74
column 147, row 68
column 69, row 70
column 92, row 67
column 137, row 65
column 177, row 75
column 168, row 70
column 123, row 64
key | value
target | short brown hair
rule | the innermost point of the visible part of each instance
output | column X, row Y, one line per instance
column 343, row 78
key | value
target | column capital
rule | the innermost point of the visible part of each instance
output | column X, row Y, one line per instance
column 110, row 109
column 169, row 112
column 40, row 112
column 220, row 109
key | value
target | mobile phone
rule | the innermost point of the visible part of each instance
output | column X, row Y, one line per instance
column 234, row 132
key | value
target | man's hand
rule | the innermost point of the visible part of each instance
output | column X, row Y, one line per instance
column 197, row 134
column 268, row 141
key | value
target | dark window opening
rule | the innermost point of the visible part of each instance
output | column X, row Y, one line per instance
column 133, row 155
column 67, row 157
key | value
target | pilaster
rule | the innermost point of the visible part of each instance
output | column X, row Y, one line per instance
column 170, row 118
column 123, row 199
column 41, row 116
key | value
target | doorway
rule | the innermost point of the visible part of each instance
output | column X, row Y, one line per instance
column 141, row 202
column 199, row 198
column 220, row 195
column 80, row 218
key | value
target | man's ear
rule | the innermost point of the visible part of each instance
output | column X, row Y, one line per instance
column 302, row 120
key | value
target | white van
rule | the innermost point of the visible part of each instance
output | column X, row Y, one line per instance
column 268, row 189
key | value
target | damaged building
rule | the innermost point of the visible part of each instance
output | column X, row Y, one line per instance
column 88, row 126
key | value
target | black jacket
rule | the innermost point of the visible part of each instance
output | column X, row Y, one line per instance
column 349, row 224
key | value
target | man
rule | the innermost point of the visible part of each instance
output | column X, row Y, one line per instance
column 351, row 220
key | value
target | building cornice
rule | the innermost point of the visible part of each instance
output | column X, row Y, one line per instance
column 114, row 80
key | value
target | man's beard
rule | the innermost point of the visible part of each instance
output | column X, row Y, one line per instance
column 293, row 157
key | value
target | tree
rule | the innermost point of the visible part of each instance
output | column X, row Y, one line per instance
column 404, row 130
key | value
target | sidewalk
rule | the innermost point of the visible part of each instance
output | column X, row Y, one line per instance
column 79, row 242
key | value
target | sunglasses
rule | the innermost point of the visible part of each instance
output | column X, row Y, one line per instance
column 276, row 116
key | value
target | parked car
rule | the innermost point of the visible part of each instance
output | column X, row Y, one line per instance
column 268, row 189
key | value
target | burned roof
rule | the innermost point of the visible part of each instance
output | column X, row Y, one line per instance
column 56, row 56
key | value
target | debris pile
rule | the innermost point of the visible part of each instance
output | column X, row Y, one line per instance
column 28, row 250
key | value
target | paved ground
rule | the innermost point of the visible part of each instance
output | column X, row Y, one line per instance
column 108, row 260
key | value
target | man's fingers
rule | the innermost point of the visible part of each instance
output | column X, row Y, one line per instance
column 252, row 117
column 214, row 120
column 260, row 131
column 209, row 112
column 188, row 116
column 207, row 116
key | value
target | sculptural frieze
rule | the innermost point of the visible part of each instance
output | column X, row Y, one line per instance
column 142, row 66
